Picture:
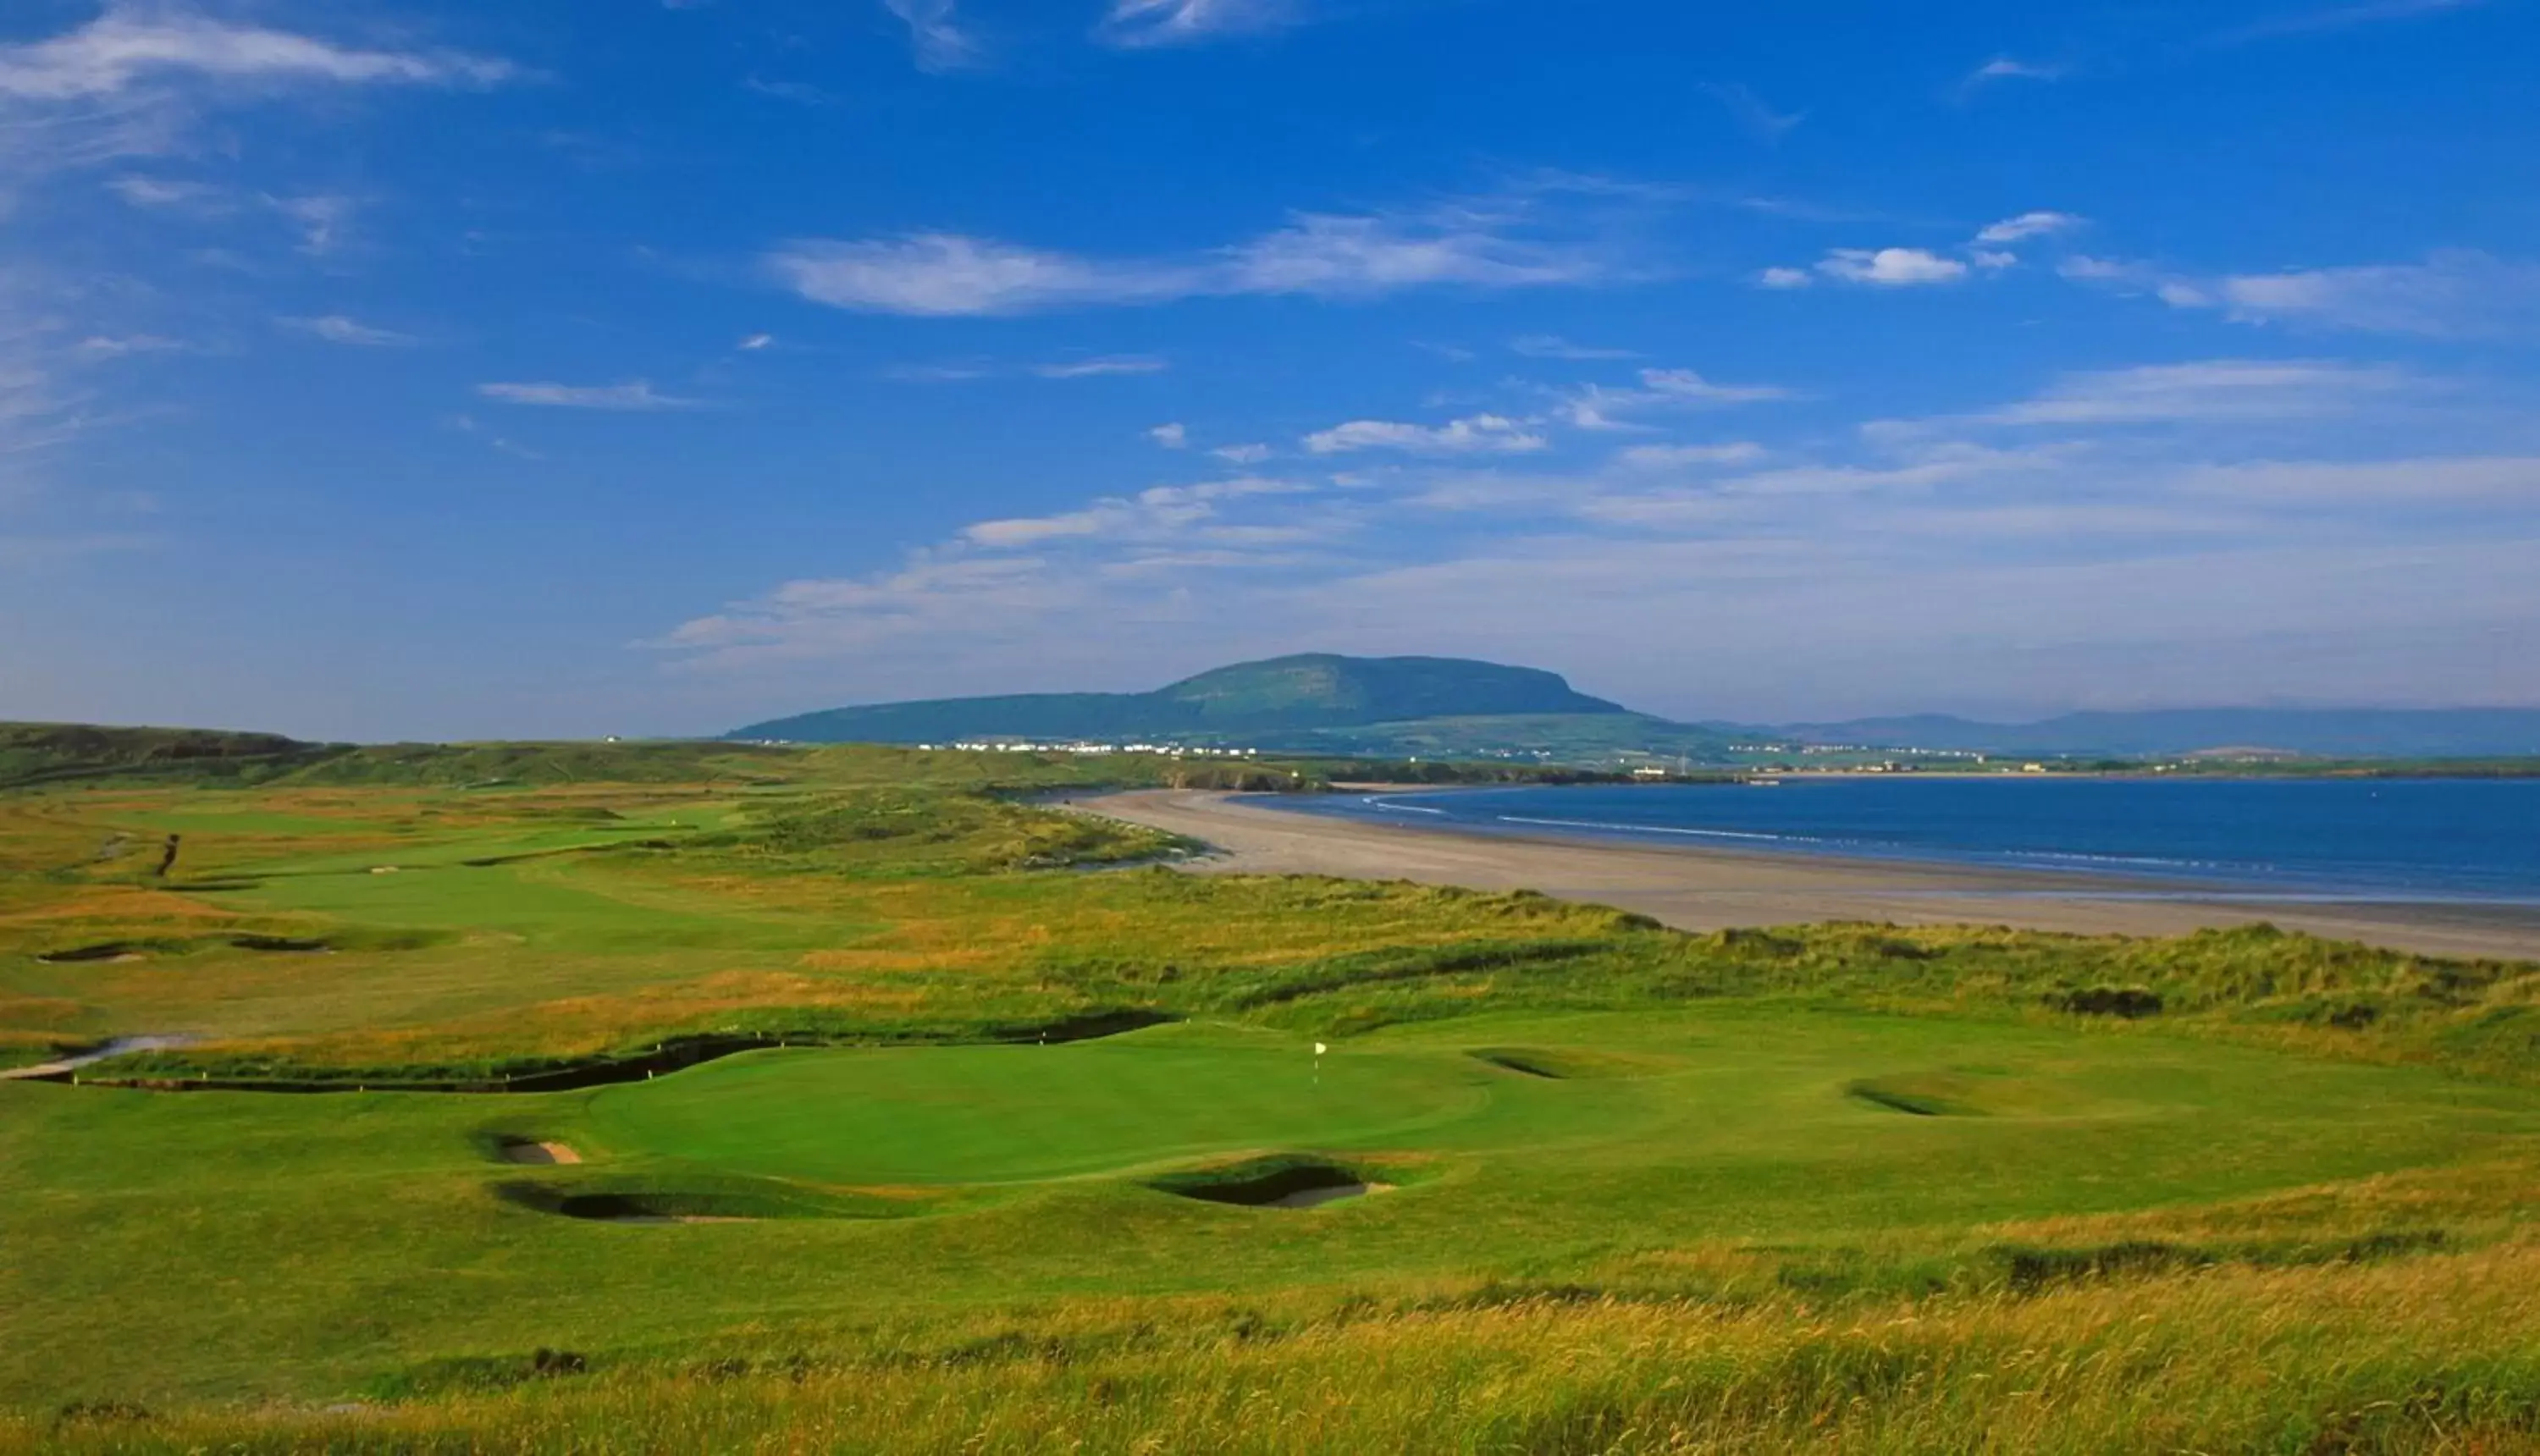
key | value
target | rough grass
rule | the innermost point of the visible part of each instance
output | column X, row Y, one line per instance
column 2436, row 1354
column 2236, row 1191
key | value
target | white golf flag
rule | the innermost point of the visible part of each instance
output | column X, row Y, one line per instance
column 1319, row 1049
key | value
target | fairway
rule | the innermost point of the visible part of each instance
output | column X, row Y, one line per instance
column 1009, row 1113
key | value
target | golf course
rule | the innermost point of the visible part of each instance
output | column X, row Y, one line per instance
column 521, row 1097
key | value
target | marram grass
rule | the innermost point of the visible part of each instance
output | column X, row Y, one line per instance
column 2436, row 1354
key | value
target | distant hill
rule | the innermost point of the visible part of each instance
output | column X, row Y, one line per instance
column 36, row 752
column 1317, row 702
column 2357, row 732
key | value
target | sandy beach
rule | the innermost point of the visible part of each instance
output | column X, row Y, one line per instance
column 1704, row 889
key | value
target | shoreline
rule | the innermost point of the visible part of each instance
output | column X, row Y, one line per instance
column 1708, row 888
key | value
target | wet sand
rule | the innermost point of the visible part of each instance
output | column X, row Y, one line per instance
column 1708, row 889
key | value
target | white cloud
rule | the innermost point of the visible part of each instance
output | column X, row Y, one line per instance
column 2454, row 294
column 756, row 342
column 938, row 373
column 943, row 274
column 2370, row 548
column 634, row 396
column 2344, row 17
column 1553, row 346
column 335, row 328
column 2010, row 68
column 1329, row 255
column 1160, row 513
column 136, row 81
column 2031, row 225
column 1089, row 368
column 1784, row 278
column 2508, row 481
column 935, row 36
column 1476, row 433
column 1172, row 437
column 129, row 44
column 171, row 195
column 1891, row 267
column 1752, row 115
column 1243, row 455
column 102, row 346
column 1688, row 456
column 1142, row 24
column 1601, row 406
column 946, row 275
column 2239, row 390
column 324, row 220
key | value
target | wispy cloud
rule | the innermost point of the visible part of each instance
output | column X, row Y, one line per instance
column 1174, row 436
column 936, row 36
column 636, row 396
column 1495, row 245
column 2031, row 225
column 799, row 93
column 1553, row 346
column 2458, row 294
column 171, row 194
column 2207, row 392
column 1660, row 391
column 1690, row 456
column 129, row 45
column 324, row 220
column 118, row 346
column 1752, row 115
column 1094, row 369
column 1161, row 512
column 133, row 81
column 2342, row 17
column 1496, row 434
column 2009, row 68
column 2243, row 549
column 335, row 328
column 1145, row 24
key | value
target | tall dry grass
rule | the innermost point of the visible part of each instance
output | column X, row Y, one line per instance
column 2438, row 1353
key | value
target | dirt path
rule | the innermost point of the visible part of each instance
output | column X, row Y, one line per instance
column 1704, row 889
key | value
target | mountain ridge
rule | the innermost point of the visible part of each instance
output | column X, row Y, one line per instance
column 1281, row 697
column 1446, row 707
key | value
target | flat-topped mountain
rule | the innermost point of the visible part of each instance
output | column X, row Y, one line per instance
column 1289, row 700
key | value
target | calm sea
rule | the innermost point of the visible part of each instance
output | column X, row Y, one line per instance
column 2415, row 839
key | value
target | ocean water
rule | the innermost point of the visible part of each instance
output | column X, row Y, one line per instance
column 2465, row 840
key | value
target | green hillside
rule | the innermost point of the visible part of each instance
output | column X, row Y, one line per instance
column 1317, row 703
column 38, row 752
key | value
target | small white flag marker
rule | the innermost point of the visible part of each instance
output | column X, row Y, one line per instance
column 1319, row 1049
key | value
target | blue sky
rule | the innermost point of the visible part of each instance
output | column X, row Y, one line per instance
column 391, row 368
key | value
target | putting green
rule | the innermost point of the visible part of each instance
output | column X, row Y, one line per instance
column 1012, row 1114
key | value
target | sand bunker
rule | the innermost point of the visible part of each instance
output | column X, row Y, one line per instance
column 113, row 950
column 1572, row 1064
column 639, row 1208
column 1272, row 1183
column 539, row 1155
